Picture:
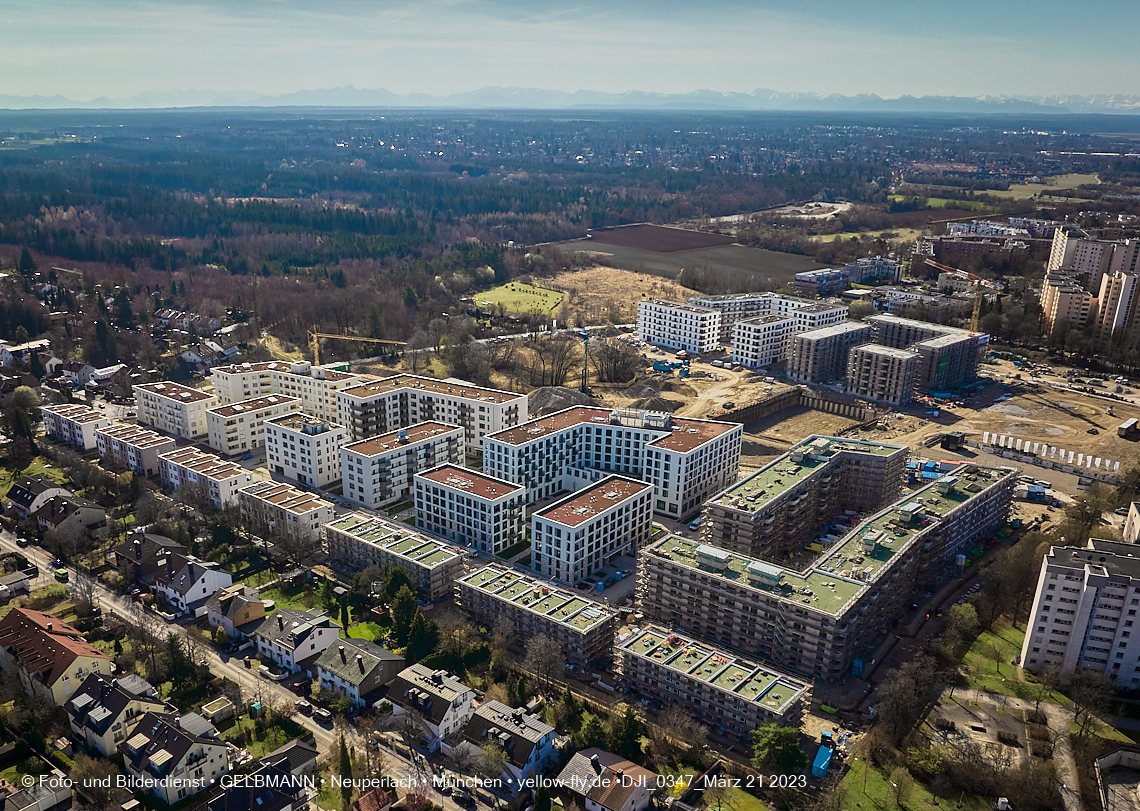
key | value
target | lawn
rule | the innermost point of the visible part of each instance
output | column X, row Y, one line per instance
column 878, row 791
column 511, row 551
column 278, row 734
column 289, row 597
column 257, row 578
column 1022, row 191
column 897, row 235
column 399, row 508
column 15, row 771
column 39, row 466
column 941, row 202
column 517, row 297
column 371, row 631
column 995, row 674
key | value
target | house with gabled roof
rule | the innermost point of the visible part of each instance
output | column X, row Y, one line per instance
column 142, row 556
column 442, row 701
column 357, row 668
column 298, row 758
column 188, row 583
column 526, row 740
column 291, row 636
column 267, row 788
column 104, row 708
column 73, row 515
column 236, row 609
column 51, row 657
column 29, row 493
column 598, row 780
column 178, row 755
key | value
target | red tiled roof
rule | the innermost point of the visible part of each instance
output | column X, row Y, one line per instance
column 44, row 644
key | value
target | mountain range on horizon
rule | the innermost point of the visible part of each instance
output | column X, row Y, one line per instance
column 539, row 99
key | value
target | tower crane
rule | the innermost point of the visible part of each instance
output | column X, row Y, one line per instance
column 315, row 341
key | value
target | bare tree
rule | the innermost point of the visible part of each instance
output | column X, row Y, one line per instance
column 295, row 544
column 410, row 725
column 614, row 361
column 674, row 732
column 491, row 761
column 456, row 636
column 83, row 585
column 545, row 657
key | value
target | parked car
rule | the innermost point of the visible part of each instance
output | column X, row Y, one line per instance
column 301, row 686
column 23, row 543
column 322, row 715
column 62, row 576
column 265, row 672
column 303, row 706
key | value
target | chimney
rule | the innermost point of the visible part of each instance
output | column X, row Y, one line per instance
column 360, row 662
column 280, row 622
column 49, row 626
column 343, row 658
column 595, row 764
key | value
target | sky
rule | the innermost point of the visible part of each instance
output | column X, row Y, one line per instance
column 84, row 49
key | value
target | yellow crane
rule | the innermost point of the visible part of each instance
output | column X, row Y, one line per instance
column 315, row 341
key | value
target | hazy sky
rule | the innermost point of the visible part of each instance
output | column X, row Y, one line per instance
column 116, row 48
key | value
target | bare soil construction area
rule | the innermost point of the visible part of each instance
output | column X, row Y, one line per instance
column 603, row 293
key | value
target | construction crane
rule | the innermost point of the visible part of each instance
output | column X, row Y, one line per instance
column 977, row 316
column 315, row 341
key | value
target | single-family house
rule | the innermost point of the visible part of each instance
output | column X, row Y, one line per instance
column 30, row 493
column 187, row 583
column 357, row 668
column 103, row 710
column 597, row 780
column 443, row 702
column 290, row 637
column 178, row 755
column 527, row 742
column 51, row 657
column 236, row 609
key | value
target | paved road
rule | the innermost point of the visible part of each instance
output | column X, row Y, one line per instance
column 252, row 685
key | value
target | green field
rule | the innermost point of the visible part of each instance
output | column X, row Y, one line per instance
column 941, row 202
column 871, row 788
column 517, row 297
column 39, row 466
column 1022, row 191
column 996, row 675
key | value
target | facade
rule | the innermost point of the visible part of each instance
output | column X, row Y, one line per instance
column 237, row 610
column 290, row 636
column 188, row 583
column 303, row 448
column 686, row 460
column 716, row 687
column 71, row 515
column 73, row 423
column 469, row 508
column 380, row 407
column 103, row 709
column 179, row 755
column 808, row 313
column 357, row 668
column 378, row 472
column 217, row 480
column 875, row 270
column 239, row 428
column 29, row 493
column 951, row 355
column 315, row 386
column 525, row 739
column 580, row 534
column 270, row 508
column 1084, row 612
column 674, row 325
column 173, row 408
column 1065, row 303
column 820, row 355
column 882, row 373
column 762, row 340
column 583, row 629
column 1132, row 523
column 362, row 541
column 443, row 702
column 817, row 619
column 132, row 447
column 778, row 509
column 598, row 780
column 51, row 657
column 822, row 283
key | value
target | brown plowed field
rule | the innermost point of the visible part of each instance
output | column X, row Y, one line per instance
column 658, row 239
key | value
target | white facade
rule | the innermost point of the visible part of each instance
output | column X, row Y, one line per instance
column 218, row 479
column 314, row 386
column 134, row 448
column 807, row 313
column 171, row 407
column 380, row 407
column 73, row 423
column 188, row 586
column 762, row 341
column 674, row 325
column 304, row 448
column 687, row 461
column 276, row 507
column 581, row 533
column 1085, row 611
column 470, row 509
column 240, row 427
column 443, row 702
column 289, row 636
column 379, row 471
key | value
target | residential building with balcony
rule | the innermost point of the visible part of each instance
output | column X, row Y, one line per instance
column 762, row 341
column 50, row 657
column 315, row 386
column 883, row 374
column 216, row 480
column 443, row 702
column 820, row 355
column 379, row 472
column 177, row 755
column 290, row 636
column 239, row 428
column 73, row 424
column 470, row 509
column 103, row 709
column 303, row 448
column 133, row 448
column 357, row 669
column 276, row 508
column 673, row 325
column 173, row 408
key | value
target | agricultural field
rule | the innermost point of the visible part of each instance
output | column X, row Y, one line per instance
column 890, row 234
column 659, row 239
column 517, row 297
column 942, row 202
column 1023, row 191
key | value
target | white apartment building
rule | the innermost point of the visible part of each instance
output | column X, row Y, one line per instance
column 382, row 406
column 219, row 481
column 379, row 471
column 687, row 461
column 469, row 508
column 762, row 340
column 581, row 533
column 735, row 307
column 240, row 427
column 134, row 448
column 808, row 313
column 303, row 448
column 279, row 508
column 1085, row 612
column 73, row 423
column 674, row 325
column 314, row 386
column 173, row 408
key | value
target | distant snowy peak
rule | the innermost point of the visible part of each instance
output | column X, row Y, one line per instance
column 540, row 99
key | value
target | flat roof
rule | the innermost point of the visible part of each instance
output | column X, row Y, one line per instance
column 204, row 464
column 175, row 391
column 468, row 481
column 256, row 404
column 678, row 305
column 759, row 684
column 454, row 388
column 403, row 436
column 134, row 435
column 539, row 597
column 286, row 497
column 855, row 561
column 582, row 506
column 75, row 412
column 300, row 369
column 948, row 340
column 834, row 329
column 682, row 434
column 398, row 541
column 299, row 420
column 768, row 319
column 885, row 351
